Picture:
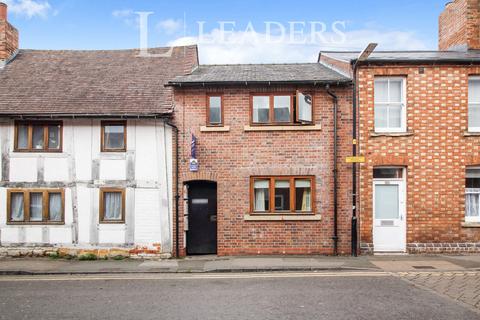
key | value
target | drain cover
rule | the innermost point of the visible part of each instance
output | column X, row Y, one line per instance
column 423, row 267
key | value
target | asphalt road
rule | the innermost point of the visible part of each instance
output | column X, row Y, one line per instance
column 224, row 296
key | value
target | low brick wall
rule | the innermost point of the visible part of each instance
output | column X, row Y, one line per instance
column 419, row 248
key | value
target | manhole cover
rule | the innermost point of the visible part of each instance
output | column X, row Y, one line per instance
column 423, row 267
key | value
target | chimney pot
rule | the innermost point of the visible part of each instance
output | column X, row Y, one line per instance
column 3, row 11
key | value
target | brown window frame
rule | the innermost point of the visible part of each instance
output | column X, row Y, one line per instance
column 26, row 206
column 271, row 185
column 45, row 125
column 105, row 123
column 208, row 96
column 101, row 212
column 294, row 113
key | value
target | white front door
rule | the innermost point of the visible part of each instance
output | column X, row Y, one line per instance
column 389, row 211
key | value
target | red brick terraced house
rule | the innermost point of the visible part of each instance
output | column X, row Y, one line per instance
column 419, row 129
column 263, row 181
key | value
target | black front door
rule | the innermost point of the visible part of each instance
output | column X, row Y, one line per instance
column 202, row 218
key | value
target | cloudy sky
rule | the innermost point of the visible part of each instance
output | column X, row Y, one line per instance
column 230, row 31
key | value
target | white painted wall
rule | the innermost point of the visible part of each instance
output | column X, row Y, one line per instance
column 145, row 169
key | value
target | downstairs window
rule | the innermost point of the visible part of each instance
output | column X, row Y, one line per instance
column 472, row 195
column 35, row 206
column 282, row 194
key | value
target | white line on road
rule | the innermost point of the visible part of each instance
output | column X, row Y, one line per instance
column 192, row 276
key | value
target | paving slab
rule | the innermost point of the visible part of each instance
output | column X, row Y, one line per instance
column 415, row 265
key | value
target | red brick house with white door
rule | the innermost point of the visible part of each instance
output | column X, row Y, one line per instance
column 265, row 182
column 419, row 123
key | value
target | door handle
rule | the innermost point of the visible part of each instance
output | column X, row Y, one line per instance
column 213, row 218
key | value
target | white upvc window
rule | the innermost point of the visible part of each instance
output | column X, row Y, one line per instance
column 474, row 104
column 472, row 195
column 390, row 107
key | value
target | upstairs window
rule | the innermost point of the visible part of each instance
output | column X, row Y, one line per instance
column 114, row 136
column 281, row 109
column 390, row 108
column 474, row 104
column 215, row 110
column 35, row 136
column 35, row 206
column 283, row 194
column 472, row 195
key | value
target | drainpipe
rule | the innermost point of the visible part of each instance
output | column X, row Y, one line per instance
column 177, row 195
column 335, row 171
column 362, row 57
column 354, row 165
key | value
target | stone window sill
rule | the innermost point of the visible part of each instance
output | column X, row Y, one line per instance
column 315, row 127
column 471, row 134
column 214, row 129
column 471, row 224
column 282, row 217
column 391, row 134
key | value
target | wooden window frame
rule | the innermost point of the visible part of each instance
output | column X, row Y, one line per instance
column 105, row 123
column 294, row 121
column 208, row 96
column 30, row 125
column 101, row 212
column 271, row 184
column 26, row 206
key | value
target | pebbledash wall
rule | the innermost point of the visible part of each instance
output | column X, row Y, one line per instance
column 435, row 151
column 231, row 155
column 144, row 170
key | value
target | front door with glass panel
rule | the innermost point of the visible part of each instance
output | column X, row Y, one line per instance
column 389, row 214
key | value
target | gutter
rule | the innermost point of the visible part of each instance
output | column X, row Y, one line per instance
column 177, row 195
column 246, row 83
column 416, row 61
column 83, row 115
column 335, row 171
column 354, row 235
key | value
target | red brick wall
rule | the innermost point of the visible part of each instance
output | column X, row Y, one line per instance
column 230, row 158
column 8, row 40
column 436, row 155
column 459, row 25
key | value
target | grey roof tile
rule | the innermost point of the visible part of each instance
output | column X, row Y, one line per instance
column 409, row 56
column 260, row 73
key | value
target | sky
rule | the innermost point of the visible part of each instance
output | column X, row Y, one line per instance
column 235, row 31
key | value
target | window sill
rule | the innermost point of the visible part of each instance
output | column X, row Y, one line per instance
column 282, row 217
column 17, row 154
column 471, row 134
column 470, row 224
column 316, row 127
column 391, row 134
column 32, row 224
column 214, row 129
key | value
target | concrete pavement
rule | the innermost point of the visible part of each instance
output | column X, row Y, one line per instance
column 241, row 264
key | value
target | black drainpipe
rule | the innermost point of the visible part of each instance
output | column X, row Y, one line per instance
column 354, row 165
column 177, row 195
column 335, row 171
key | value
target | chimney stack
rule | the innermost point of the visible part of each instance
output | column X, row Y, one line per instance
column 3, row 11
column 8, row 37
column 459, row 26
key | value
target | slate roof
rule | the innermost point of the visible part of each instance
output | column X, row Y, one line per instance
column 261, row 74
column 92, row 83
column 409, row 56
